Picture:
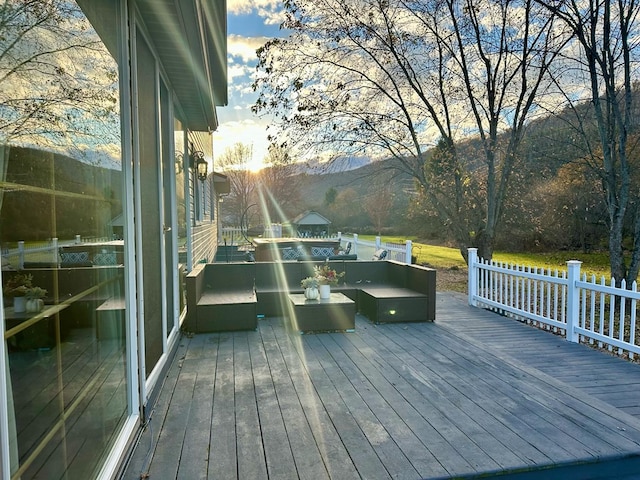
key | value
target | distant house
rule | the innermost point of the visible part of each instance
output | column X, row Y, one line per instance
column 117, row 227
column 311, row 224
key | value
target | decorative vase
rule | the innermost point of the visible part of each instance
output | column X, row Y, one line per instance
column 311, row 293
column 325, row 291
column 19, row 304
column 34, row 305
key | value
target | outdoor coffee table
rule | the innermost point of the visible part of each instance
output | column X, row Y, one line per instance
column 323, row 315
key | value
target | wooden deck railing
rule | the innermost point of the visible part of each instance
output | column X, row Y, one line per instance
column 581, row 308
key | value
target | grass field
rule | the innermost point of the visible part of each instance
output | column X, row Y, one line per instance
column 452, row 269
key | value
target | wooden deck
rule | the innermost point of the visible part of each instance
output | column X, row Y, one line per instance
column 469, row 395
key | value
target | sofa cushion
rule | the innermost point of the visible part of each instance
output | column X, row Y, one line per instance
column 322, row 251
column 105, row 258
column 292, row 253
column 360, row 274
column 224, row 277
column 278, row 276
column 75, row 258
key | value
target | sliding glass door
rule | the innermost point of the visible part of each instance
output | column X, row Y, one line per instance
column 66, row 382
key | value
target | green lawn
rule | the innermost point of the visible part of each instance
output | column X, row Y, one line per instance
column 445, row 257
column 592, row 263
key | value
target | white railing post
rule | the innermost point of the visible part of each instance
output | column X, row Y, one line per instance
column 355, row 244
column 407, row 255
column 21, row 255
column 78, row 239
column 472, row 258
column 573, row 299
column 378, row 243
column 54, row 251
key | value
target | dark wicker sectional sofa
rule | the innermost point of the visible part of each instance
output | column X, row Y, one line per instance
column 231, row 296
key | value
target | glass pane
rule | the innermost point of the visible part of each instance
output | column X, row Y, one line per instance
column 150, row 206
column 168, row 194
column 61, row 231
column 181, row 206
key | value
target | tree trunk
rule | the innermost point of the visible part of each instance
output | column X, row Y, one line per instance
column 464, row 251
column 634, row 265
column 484, row 244
column 616, row 255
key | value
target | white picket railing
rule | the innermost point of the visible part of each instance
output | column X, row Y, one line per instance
column 365, row 249
column 33, row 252
column 43, row 252
column 581, row 309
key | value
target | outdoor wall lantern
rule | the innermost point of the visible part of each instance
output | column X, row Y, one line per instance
column 178, row 162
column 200, row 164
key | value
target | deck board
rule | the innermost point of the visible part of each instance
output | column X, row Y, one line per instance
column 249, row 445
column 279, row 457
column 388, row 405
column 573, row 364
column 222, row 447
column 462, row 409
column 359, row 398
column 472, row 394
column 477, row 401
column 346, row 447
column 195, row 450
column 145, row 452
column 174, row 429
column 306, row 454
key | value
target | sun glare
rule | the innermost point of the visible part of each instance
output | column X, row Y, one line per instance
column 255, row 166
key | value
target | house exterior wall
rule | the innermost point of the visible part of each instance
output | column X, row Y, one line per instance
column 204, row 206
column 204, row 243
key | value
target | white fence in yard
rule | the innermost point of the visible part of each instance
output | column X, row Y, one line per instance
column 43, row 252
column 364, row 249
column 568, row 302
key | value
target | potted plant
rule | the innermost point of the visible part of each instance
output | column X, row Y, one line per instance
column 16, row 287
column 34, row 301
column 326, row 276
column 310, row 285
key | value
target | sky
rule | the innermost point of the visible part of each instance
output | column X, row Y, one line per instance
column 250, row 24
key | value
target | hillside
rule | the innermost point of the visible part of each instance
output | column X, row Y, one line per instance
column 315, row 186
column 549, row 144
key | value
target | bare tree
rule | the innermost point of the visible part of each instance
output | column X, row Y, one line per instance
column 280, row 193
column 379, row 203
column 234, row 163
column 606, row 34
column 394, row 77
column 63, row 95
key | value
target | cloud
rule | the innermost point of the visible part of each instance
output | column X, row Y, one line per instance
column 255, row 24
column 237, row 73
column 245, row 47
column 249, row 131
column 270, row 10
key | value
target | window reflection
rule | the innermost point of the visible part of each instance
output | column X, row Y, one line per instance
column 61, row 226
column 182, row 163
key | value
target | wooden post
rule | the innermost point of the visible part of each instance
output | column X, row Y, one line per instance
column 54, row 251
column 21, row 255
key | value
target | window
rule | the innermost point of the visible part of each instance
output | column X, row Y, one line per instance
column 61, row 230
